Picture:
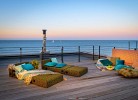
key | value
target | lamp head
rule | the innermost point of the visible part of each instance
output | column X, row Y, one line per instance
column 44, row 31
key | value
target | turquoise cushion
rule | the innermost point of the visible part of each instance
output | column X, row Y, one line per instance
column 105, row 62
column 119, row 62
column 54, row 60
column 118, row 67
column 51, row 64
column 28, row 66
column 60, row 65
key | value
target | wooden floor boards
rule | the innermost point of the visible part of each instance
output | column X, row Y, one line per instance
column 95, row 85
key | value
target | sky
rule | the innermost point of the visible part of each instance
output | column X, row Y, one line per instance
column 69, row 19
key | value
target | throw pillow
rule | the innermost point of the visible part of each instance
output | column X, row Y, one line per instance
column 28, row 66
column 113, row 60
column 54, row 60
column 105, row 62
column 60, row 65
column 51, row 64
column 119, row 62
column 18, row 68
column 118, row 67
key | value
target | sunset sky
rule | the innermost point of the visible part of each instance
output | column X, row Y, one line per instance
column 69, row 19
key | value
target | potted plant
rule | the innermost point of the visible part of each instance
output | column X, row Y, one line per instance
column 35, row 63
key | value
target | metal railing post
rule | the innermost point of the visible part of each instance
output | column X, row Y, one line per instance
column 93, row 52
column 62, row 54
column 99, row 51
column 79, row 54
column 20, row 55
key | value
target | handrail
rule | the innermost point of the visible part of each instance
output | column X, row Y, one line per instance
column 89, row 50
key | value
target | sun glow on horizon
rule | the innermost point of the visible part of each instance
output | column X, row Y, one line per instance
column 73, row 19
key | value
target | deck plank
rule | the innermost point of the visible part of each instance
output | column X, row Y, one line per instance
column 95, row 85
column 85, row 91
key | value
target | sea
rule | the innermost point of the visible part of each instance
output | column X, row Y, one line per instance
column 8, row 47
column 38, row 43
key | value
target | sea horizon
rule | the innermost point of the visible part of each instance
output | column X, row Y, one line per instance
column 54, row 46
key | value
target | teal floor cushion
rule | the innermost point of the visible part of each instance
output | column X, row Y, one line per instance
column 118, row 67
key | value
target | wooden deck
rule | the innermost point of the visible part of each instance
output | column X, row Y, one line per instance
column 95, row 85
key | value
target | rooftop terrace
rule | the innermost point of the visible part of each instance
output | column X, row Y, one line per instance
column 95, row 85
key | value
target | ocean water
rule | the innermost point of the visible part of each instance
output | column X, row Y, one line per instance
column 35, row 46
column 38, row 43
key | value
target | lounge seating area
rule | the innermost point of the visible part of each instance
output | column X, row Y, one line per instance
column 65, row 69
column 42, row 78
column 123, row 61
column 52, row 71
column 48, row 75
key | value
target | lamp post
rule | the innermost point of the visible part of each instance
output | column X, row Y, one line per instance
column 44, row 41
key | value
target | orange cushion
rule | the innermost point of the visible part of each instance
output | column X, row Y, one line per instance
column 113, row 60
column 135, row 65
column 128, row 64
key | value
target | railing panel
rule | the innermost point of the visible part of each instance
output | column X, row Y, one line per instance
column 76, row 53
